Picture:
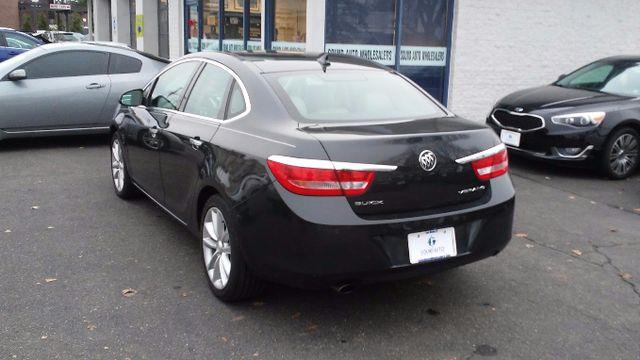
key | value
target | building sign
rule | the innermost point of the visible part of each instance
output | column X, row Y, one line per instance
column 288, row 46
column 423, row 56
column 60, row 6
column 383, row 54
column 386, row 54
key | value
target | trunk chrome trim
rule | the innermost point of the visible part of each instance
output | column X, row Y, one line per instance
column 330, row 165
column 482, row 154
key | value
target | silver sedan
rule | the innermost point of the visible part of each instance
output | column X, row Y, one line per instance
column 69, row 88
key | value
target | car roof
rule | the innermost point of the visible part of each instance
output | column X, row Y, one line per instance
column 273, row 61
column 620, row 58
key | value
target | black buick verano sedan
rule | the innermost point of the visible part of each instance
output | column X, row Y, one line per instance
column 590, row 117
column 312, row 170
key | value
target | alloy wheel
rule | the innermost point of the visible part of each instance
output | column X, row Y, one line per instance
column 216, row 248
column 624, row 154
column 117, row 165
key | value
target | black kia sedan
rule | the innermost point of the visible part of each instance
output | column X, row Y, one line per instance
column 311, row 170
column 590, row 117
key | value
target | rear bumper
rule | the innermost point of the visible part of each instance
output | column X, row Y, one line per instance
column 283, row 247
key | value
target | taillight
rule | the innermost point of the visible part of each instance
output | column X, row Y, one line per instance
column 323, row 177
column 492, row 166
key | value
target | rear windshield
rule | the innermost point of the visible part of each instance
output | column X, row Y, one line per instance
column 351, row 95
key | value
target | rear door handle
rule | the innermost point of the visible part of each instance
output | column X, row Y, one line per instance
column 94, row 86
column 195, row 142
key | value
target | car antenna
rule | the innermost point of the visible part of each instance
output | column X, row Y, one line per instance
column 324, row 61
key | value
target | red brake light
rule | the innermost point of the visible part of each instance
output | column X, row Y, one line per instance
column 491, row 166
column 323, row 180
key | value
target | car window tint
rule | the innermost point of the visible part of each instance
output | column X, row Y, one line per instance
column 236, row 102
column 68, row 63
column 171, row 85
column 19, row 41
column 122, row 64
column 208, row 94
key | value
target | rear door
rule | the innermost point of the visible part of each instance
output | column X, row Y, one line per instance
column 65, row 89
column 124, row 75
column 189, row 135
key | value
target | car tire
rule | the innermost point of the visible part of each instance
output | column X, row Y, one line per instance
column 226, row 270
column 122, row 183
column 619, row 157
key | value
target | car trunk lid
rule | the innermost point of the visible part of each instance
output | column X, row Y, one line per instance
column 413, row 187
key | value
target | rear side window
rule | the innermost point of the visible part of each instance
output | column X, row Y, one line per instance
column 122, row 64
column 352, row 95
column 208, row 94
column 236, row 102
column 68, row 63
column 171, row 85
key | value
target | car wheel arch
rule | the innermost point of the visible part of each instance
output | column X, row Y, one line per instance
column 205, row 193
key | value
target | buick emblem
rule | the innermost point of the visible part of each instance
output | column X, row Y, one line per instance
column 427, row 160
column 519, row 109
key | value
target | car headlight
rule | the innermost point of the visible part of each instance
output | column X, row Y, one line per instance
column 581, row 119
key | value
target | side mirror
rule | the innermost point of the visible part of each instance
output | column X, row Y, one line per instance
column 131, row 98
column 562, row 77
column 18, row 74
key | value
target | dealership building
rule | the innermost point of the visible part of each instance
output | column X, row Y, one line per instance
column 466, row 53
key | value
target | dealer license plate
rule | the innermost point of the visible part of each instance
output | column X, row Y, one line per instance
column 432, row 244
column 510, row 137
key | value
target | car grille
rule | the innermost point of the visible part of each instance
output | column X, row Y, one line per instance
column 519, row 121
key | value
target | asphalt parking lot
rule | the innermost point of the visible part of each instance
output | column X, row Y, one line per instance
column 568, row 285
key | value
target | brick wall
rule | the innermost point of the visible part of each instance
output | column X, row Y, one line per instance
column 9, row 14
column 501, row 46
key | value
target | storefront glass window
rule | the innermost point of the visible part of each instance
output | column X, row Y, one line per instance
column 290, row 33
column 233, row 26
column 364, row 28
column 423, row 54
column 191, row 10
column 210, row 27
column 255, row 26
